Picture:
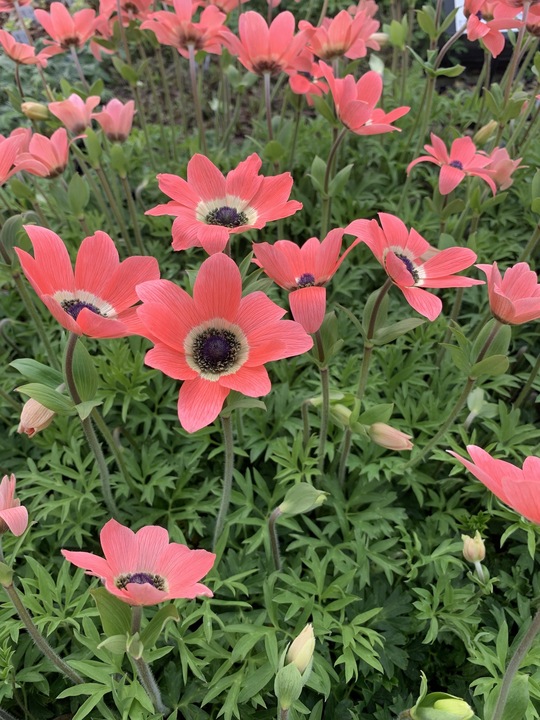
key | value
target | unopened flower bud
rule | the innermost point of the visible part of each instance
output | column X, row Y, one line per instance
column 34, row 417
column 6, row 575
column 485, row 133
column 474, row 550
column 288, row 686
column 453, row 709
column 302, row 498
column 388, row 437
column 380, row 37
column 35, row 111
column 301, row 649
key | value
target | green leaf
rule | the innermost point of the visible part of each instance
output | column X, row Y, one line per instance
column 153, row 630
column 490, row 366
column 426, row 21
column 115, row 615
column 499, row 344
column 84, row 372
column 378, row 413
column 52, row 399
column 518, row 698
column 115, row 644
column 322, row 107
column 37, row 372
column 369, row 308
column 93, row 146
column 85, row 408
column 274, row 151
column 391, row 332
column 453, row 71
column 11, row 229
column 126, row 71
column 318, row 171
column 78, row 195
column 20, row 190
column 118, row 160
column 340, row 180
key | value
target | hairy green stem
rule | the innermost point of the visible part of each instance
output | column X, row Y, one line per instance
column 133, row 215
column 268, row 104
column 325, row 415
column 196, row 99
column 326, row 204
column 306, row 430
column 117, row 212
column 525, row 390
column 144, row 673
column 226, row 423
column 78, row 66
column 115, row 449
column 274, row 539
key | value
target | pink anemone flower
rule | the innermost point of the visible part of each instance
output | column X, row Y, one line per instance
column 144, row 568
column 305, row 78
column 519, row 489
column 13, row 515
column 355, row 103
column 210, row 207
column 7, row 6
column 22, row 53
column 515, row 298
column 304, row 271
column 342, row 35
column 217, row 340
column 486, row 20
column 412, row 263
column 463, row 160
column 501, row 167
column 67, row 30
column 130, row 9
column 97, row 299
column 226, row 6
column 116, row 119
column 10, row 150
column 45, row 157
column 75, row 113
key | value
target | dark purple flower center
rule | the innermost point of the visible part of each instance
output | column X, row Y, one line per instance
column 140, row 578
column 74, row 307
column 306, row 280
column 457, row 164
column 216, row 350
column 409, row 265
column 226, row 217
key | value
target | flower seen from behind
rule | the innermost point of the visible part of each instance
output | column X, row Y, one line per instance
column 501, row 167
column 75, row 113
column 22, row 53
column 143, row 567
column 116, row 119
column 209, row 207
column 217, row 340
column 515, row 297
column 45, row 157
column 13, row 515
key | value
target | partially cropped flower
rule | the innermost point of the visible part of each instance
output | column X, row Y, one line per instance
column 462, row 161
column 97, row 298
column 13, row 515
column 67, row 30
column 517, row 488
column 300, row 652
column 35, row 417
column 305, row 77
column 515, row 298
column 501, row 167
column 355, row 102
column 45, row 157
column 75, row 113
column 143, row 567
column 474, row 550
column 116, row 119
column 226, row 6
column 10, row 149
column 22, row 53
column 217, row 340
column 390, row 438
column 342, row 36
column 7, row 6
column 35, row 110
column 412, row 263
column 303, row 271
column 485, row 21
column 209, row 207
column 130, row 9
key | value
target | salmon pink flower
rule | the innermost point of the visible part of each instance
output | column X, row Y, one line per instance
column 8, row 6
column 13, row 516
column 116, row 119
column 97, row 298
column 75, row 113
column 501, row 167
column 306, row 76
column 520, row 489
column 143, row 567
column 303, row 271
column 210, row 207
column 10, row 150
column 486, row 19
column 46, row 157
column 35, row 417
column 342, row 35
column 226, row 6
column 130, row 9
column 22, row 53
column 515, row 298
column 462, row 161
column 67, row 30
column 388, row 437
column 355, row 103
column 411, row 263
column 217, row 340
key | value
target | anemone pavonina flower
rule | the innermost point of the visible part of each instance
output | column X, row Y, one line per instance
column 210, row 207
column 412, row 263
column 13, row 515
column 22, row 53
column 342, row 35
column 45, row 157
column 10, row 149
column 515, row 298
column 217, row 340
column 501, row 167
column 486, row 20
column 116, row 119
column 75, row 113
column 517, row 488
column 304, row 271
column 67, row 30
column 144, row 568
column 97, row 298
column 463, row 160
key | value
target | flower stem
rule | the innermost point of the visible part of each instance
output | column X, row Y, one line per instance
column 226, row 423
column 325, row 415
column 115, row 449
column 268, row 105
column 274, row 539
column 144, row 673
column 515, row 55
column 306, row 430
column 77, row 64
column 114, row 207
column 326, row 205
column 133, row 214
column 530, row 248
column 88, row 428
column 528, row 385
column 196, row 99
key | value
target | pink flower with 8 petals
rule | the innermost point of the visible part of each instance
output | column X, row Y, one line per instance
column 116, row 119
column 462, row 161
column 67, row 30
column 22, row 53
column 217, row 340
column 46, row 157
column 304, row 271
column 412, row 263
column 515, row 298
column 517, row 488
column 144, row 568
column 75, row 113
column 13, row 516
column 355, row 102
column 97, row 298
column 342, row 35
column 210, row 207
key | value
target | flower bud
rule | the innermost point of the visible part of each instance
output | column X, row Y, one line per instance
column 34, row 417
column 302, row 498
column 35, row 111
column 300, row 652
column 485, row 133
column 474, row 550
column 6, row 575
column 388, row 437
column 288, row 686
column 380, row 37
column 456, row 708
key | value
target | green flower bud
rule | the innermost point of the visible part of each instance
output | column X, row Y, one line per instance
column 6, row 575
column 288, row 686
column 302, row 498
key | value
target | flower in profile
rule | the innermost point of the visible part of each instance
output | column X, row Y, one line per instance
column 143, row 567
column 303, row 271
column 45, row 157
column 13, row 515
column 35, row 417
column 67, row 30
column 515, row 298
column 75, row 113
column 462, row 161
column 226, row 6
column 305, row 78
column 130, row 9
column 217, row 340
column 10, row 150
column 116, row 119
column 209, row 207
column 517, row 488
column 412, row 263
column 300, row 651
column 355, row 102
column 8, row 6
column 97, row 299
column 343, row 35
column 501, row 167
column 486, row 19
column 22, row 53
column 388, row 437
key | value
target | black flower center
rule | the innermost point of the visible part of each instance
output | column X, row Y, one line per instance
column 70, row 42
column 306, row 280
column 227, row 217
column 409, row 265
column 457, row 164
column 216, row 350
column 140, row 578
column 74, row 307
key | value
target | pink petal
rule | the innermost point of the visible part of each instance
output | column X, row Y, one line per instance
column 50, row 270
column 97, row 260
column 251, row 381
column 425, row 303
column 308, row 307
column 152, row 541
column 256, row 310
column 199, row 403
column 449, row 179
column 119, row 547
column 93, row 564
column 213, row 238
column 218, row 288
column 183, row 568
column 16, row 518
column 205, row 178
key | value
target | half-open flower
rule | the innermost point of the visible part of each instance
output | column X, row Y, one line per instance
column 144, row 568
column 46, row 157
column 13, row 515
column 116, row 119
column 22, row 53
column 342, row 35
column 35, row 417
column 515, row 298
column 67, row 30
column 75, row 113
column 97, row 298
column 501, row 167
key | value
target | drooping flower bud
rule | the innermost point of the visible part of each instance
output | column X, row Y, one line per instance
column 302, row 498
column 388, row 437
column 35, row 417
column 474, row 550
column 34, row 110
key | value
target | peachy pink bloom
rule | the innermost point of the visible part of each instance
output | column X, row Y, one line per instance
column 355, row 102
column 210, row 207
column 342, row 35
column 226, row 6
column 10, row 150
column 67, row 30
column 75, row 113
column 97, row 299
column 144, row 568
column 8, row 6
column 13, row 516
column 515, row 298
column 22, row 53
column 412, row 263
column 501, row 167
column 462, row 161
column 304, row 271
column 520, row 489
column 217, row 340
column 130, row 9
column 116, row 119
column 306, row 76
column 45, row 157
column 486, row 19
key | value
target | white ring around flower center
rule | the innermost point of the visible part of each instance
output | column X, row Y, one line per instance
column 242, row 353
column 205, row 207
column 83, row 296
column 404, row 252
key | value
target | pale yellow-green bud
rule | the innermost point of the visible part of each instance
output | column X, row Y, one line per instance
column 455, row 707
column 35, row 111
column 301, row 649
column 288, row 686
column 474, row 550
column 485, row 133
column 6, row 575
column 302, row 498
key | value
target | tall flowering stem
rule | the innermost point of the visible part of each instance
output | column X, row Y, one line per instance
column 268, row 104
column 226, row 424
column 196, row 99
column 515, row 55
column 327, row 200
column 274, row 539
column 80, row 71
column 325, row 410
column 146, row 677
column 31, row 42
